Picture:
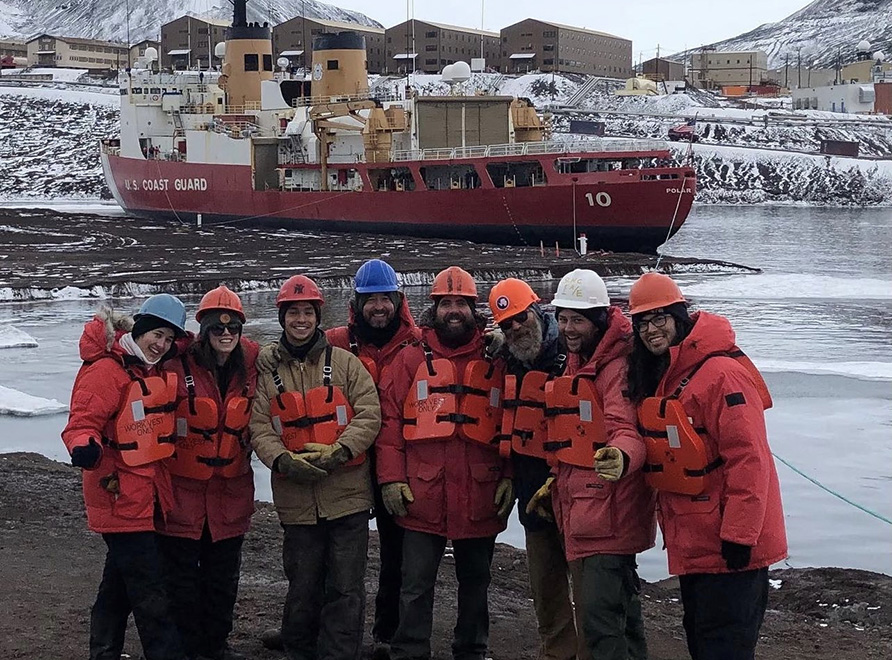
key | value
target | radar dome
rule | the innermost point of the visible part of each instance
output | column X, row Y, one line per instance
column 879, row 56
column 461, row 71
column 863, row 46
column 220, row 50
column 151, row 54
column 282, row 62
column 448, row 73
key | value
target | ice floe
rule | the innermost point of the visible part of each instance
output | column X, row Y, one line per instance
column 13, row 402
column 12, row 337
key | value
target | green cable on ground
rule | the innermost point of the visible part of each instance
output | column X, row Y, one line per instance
column 833, row 492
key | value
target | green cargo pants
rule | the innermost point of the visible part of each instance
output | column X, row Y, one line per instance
column 611, row 609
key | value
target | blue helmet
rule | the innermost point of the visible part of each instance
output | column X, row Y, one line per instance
column 375, row 276
column 166, row 307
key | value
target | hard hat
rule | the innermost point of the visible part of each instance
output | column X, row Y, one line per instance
column 166, row 307
column 220, row 298
column 653, row 291
column 581, row 289
column 375, row 276
column 299, row 287
column 510, row 297
column 454, row 281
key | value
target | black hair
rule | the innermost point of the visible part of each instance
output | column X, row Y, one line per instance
column 233, row 370
column 646, row 370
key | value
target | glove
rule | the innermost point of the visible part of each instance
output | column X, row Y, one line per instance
column 610, row 463
column 331, row 457
column 540, row 502
column 395, row 496
column 86, row 456
column 504, row 499
column 494, row 340
column 298, row 467
column 736, row 556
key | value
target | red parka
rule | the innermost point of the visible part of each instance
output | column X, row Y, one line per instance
column 96, row 397
column 742, row 501
column 407, row 333
column 454, row 481
column 594, row 515
column 225, row 503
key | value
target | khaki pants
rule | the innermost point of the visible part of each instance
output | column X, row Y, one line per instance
column 550, row 584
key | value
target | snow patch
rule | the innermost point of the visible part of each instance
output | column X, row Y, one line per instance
column 872, row 371
column 19, row 404
column 12, row 337
column 791, row 286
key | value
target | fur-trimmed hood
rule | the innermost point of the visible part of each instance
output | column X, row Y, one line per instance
column 102, row 333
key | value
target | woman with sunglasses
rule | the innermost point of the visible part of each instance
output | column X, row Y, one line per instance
column 213, row 484
column 701, row 408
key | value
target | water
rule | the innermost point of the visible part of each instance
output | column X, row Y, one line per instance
column 817, row 321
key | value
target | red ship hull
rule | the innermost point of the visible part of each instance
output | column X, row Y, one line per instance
column 626, row 210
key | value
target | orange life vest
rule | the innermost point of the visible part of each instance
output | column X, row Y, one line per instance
column 575, row 421
column 437, row 403
column 144, row 425
column 202, row 445
column 524, row 429
column 320, row 416
column 678, row 459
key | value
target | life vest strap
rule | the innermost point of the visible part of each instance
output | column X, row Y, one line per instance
column 207, row 434
column 523, row 403
column 525, row 436
column 166, row 408
column 713, row 465
column 277, row 381
column 555, row 445
column 215, row 461
column 458, row 418
column 458, row 390
column 120, row 446
column 653, row 433
column 231, row 431
column 554, row 412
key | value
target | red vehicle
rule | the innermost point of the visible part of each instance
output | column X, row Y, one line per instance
column 7, row 62
column 683, row 133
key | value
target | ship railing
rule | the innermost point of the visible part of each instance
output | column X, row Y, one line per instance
column 238, row 129
column 304, row 101
column 530, row 149
column 241, row 109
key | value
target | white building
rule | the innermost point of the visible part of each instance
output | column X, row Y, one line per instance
column 858, row 97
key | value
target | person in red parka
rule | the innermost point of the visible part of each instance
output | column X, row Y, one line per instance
column 601, row 503
column 701, row 403
column 120, row 428
column 213, row 484
column 442, row 477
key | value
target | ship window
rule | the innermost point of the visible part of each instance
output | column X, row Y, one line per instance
column 392, row 178
column 267, row 62
column 450, row 177
column 252, row 62
column 582, row 165
column 155, row 90
column 137, row 90
column 516, row 174
column 332, row 65
column 123, row 91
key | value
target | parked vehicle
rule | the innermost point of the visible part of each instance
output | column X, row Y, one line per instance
column 683, row 133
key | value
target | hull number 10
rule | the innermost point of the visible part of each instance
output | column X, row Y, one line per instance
column 601, row 199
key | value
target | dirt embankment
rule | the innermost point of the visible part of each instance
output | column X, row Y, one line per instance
column 50, row 567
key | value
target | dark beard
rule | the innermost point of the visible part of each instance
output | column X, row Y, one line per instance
column 454, row 337
column 525, row 345
column 378, row 337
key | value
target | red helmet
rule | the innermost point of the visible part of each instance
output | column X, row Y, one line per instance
column 297, row 288
column 220, row 298
column 454, row 281
column 653, row 291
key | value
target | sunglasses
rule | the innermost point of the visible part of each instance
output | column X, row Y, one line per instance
column 658, row 321
column 218, row 329
column 520, row 318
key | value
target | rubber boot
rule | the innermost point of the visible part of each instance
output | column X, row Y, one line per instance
column 272, row 639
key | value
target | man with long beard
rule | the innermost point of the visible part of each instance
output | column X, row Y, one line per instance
column 534, row 355
column 441, row 474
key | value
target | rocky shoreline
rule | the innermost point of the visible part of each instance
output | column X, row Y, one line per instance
column 50, row 566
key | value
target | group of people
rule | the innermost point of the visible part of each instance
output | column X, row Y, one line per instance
column 598, row 426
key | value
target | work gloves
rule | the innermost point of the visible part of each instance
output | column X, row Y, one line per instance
column 610, row 463
column 736, row 556
column 299, row 468
column 86, row 456
column 504, row 499
column 331, row 457
column 494, row 341
column 395, row 496
column 540, row 502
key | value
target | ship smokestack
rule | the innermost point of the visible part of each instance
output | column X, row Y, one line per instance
column 248, row 59
column 339, row 65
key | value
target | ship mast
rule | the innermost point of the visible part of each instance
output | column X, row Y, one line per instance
column 248, row 59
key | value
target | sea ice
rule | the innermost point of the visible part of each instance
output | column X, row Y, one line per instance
column 12, row 337
column 13, row 402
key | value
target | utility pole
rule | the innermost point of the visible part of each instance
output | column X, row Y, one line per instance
column 787, row 71
column 799, row 67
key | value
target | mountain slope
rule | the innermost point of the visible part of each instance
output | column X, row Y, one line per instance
column 107, row 19
column 819, row 32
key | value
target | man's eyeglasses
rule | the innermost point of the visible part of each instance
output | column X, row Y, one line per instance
column 658, row 321
column 520, row 318
column 218, row 329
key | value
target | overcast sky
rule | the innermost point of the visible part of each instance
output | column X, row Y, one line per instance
column 674, row 24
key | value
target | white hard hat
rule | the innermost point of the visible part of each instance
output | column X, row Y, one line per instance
column 581, row 289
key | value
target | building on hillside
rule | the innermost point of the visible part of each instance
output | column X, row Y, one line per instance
column 863, row 71
column 46, row 50
column 293, row 40
column 793, row 77
column 855, row 98
column 534, row 45
column 139, row 49
column 712, row 69
column 12, row 48
column 189, row 41
column 425, row 46
column 661, row 69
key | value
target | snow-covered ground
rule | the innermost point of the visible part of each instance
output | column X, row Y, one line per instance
column 13, row 402
column 12, row 337
column 58, row 73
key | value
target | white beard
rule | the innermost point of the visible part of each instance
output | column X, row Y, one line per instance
column 525, row 347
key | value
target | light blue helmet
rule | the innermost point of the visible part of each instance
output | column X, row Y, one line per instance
column 166, row 307
column 375, row 276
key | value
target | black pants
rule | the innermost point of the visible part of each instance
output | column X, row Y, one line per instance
column 132, row 582
column 421, row 559
column 325, row 607
column 202, row 584
column 387, row 600
column 723, row 613
column 611, row 608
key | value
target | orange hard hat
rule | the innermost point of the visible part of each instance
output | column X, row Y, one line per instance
column 653, row 291
column 220, row 298
column 299, row 287
column 454, row 281
column 510, row 297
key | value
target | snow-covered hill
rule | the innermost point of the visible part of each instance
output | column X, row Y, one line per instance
column 107, row 19
column 819, row 32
